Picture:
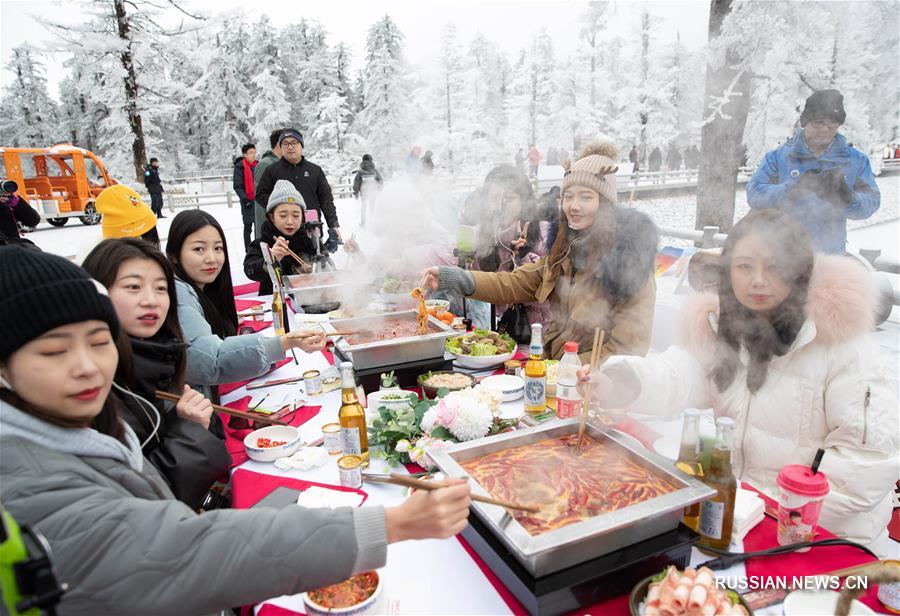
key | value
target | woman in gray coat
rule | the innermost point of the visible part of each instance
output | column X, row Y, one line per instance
column 197, row 249
column 73, row 470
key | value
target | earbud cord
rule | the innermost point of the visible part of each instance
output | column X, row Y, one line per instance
column 141, row 402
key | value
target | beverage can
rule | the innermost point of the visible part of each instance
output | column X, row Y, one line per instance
column 350, row 470
column 312, row 382
column 331, row 434
column 800, row 496
column 512, row 367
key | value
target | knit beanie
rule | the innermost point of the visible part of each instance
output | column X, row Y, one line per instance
column 291, row 132
column 40, row 291
column 284, row 192
column 824, row 104
column 595, row 169
column 124, row 214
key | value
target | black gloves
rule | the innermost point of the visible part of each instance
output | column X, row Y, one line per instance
column 828, row 185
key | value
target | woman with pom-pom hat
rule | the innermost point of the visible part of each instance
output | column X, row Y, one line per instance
column 599, row 272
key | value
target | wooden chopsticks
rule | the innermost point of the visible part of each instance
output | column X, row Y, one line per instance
column 419, row 484
column 599, row 336
column 164, row 395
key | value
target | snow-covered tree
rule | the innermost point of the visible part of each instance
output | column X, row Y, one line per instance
column 28, row 116
column 532, row 89
column 383, row 120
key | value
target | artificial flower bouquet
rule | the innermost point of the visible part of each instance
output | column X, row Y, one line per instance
column 465, row 415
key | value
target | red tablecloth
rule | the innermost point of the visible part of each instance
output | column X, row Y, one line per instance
column 248, row 487
column 227, row 388
column 246, row 304
column 234, row 439
column 246, row 289
column 256, row 326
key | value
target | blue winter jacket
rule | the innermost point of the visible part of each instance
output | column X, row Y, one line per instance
column 825, row 221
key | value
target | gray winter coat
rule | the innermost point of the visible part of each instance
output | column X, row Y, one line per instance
column 125, row 546
column 213, row 361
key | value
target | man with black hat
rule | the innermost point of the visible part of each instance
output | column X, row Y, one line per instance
column 154, row 187
column 307, row 178
column 816, row 177
column 14, row 209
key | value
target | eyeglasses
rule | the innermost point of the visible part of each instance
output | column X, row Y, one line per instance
column 290, row 144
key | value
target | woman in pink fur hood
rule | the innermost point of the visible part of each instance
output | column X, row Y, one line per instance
column 785, row 350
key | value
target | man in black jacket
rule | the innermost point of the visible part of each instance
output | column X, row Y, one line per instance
column 14, row 209
column 307, row 178
column 154, row 187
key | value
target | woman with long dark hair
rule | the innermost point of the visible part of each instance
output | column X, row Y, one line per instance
column 72, row 469
column 174, row 437
column 784, row 349
column 199, row 254
column 598, row 273
column 509, row 229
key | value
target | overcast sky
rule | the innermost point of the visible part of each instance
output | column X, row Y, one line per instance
column 508, row 22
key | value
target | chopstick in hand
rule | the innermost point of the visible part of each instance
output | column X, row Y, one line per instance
column 419, row 484
column 599, row 336
column 164, row 395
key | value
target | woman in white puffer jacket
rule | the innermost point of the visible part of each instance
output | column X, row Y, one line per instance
column 785, row 350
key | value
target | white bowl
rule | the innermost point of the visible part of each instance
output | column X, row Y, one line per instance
column 816, row 602
column 372, row 605
column 481, row 361
column 275, row 433
column 509, row 387
column 376, row 399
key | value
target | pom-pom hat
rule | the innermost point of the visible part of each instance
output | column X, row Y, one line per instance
column 595, row 169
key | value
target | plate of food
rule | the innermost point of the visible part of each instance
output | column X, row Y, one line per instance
column 360, row 594
column 431, row 382
column 692, row 591
column 481, row 348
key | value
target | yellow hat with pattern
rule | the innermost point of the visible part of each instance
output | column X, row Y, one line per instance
column 124, row 214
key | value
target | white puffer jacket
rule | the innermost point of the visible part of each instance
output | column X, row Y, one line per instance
column 814, row 396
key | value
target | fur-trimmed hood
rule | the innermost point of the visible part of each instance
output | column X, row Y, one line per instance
column 624, row 270
column 842, row 303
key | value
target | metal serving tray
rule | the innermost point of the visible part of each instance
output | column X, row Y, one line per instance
column 588, row 539
column 393, row 351
column 324, row 287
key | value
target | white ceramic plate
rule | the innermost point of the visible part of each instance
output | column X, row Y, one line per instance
column 376, row 399
column 509, row 386
column 818, row 602
column 480, row 362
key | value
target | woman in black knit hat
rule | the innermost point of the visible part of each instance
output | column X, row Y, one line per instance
column 73, row 470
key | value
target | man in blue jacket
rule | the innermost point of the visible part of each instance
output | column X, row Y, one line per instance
column 816, row 177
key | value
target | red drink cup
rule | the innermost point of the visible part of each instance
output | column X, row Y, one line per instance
column 800, row 497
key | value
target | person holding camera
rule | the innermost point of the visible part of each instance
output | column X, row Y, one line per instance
column 13, row 210
column 816, row 177
column 283, row 231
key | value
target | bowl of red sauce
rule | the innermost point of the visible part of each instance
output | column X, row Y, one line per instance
column 360, row 594
column 272, row 442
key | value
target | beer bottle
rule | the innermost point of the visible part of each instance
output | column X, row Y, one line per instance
column 352, row 417
column 689, row 461
column 535, row 374
column 717, row 513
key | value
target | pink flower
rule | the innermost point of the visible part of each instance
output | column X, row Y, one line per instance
column 446, row 413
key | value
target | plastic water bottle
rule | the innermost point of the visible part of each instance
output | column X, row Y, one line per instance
column 568, row 400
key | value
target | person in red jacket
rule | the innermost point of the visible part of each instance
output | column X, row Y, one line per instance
column 534, row 160
column 243, row 186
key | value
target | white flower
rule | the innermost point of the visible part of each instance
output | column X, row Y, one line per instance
column 473, row 421
column 434, row 444
column 429, row 420
column 416, row 454
column 403, row 445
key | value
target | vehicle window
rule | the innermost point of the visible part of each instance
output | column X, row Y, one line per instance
column 93, row 173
